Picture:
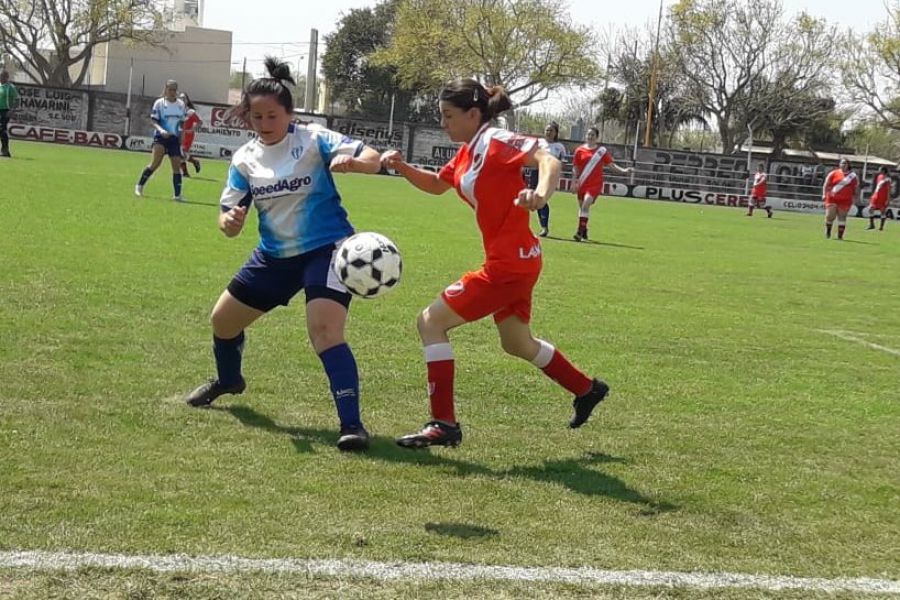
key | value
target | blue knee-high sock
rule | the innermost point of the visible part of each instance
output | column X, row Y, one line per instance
column 340, row 366
column 544, row 216
column 228, row 355
column 145, row 175
column 176, row 183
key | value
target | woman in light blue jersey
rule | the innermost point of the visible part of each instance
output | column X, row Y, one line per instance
column 558, row 151
column 286, row 173
column 167, row 115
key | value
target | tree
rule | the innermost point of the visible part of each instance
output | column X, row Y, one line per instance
column 722, row 52
column 794, row 93
column 630, row 65
column 878, row 140
column 363, row 86
column 54, row 39
column 528, row 46
column 871, row 69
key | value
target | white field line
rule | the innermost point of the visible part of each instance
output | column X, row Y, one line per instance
column 852, row 337
column 56, row 561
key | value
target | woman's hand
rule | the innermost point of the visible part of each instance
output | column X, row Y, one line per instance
column 530, row 200
column 391, row 159
column 232, row 222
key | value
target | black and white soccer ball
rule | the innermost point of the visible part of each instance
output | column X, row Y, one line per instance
column 368, row 264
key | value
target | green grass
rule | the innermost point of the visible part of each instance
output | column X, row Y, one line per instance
column 738, row 437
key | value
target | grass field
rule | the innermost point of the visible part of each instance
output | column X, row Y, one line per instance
column 753, row 426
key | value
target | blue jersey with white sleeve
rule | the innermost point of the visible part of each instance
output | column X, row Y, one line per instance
column 170, row 115
column 291, row 185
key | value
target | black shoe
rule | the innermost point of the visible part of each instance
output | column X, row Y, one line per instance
column 544, row 232
column 196, row 164
column 5, row 153
column 434, row 433
column 584, row 236
column 584, row 405
column 353, row 439
column 577, row 236
column 209, row 391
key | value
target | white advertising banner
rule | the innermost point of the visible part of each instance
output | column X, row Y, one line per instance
column 48, row 107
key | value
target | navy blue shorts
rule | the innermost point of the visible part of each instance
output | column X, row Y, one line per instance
column 265, row 282
column 171, row 144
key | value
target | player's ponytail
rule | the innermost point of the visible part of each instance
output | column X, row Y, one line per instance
column 279, row 70
column 276, row 84
column 498, row 102
column 468, row 93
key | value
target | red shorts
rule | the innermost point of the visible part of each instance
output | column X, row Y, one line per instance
column 757, row 201
column 479, row 294
column 593, row 191
column 877, row 204
column 843, row 206
column 187, row 140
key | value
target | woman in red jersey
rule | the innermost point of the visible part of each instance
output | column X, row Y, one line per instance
column 191, row 120
column 881, row 195
column 838, row 194
column 587, row 167
column 486, row 173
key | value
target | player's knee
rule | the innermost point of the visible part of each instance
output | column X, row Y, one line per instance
column 520, row 348
column 324, row 336
column 424, row 324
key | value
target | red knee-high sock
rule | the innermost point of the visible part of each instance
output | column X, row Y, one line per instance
column 440, row 363
column 557, row 367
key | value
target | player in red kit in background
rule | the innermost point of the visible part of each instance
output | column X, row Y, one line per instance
column 587, row 167
column 188, row 130
column 881, row 195
column 838, row 194
column 486, row 173
column 759, row 192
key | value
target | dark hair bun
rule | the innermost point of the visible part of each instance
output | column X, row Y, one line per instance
column 278, row 70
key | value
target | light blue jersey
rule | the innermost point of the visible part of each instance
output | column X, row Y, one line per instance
column 169, row 114
column 290, row 184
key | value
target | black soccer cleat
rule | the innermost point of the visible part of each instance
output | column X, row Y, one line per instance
column 353, row 439
column 435, row 433
column 584, row 405
column 212, row 389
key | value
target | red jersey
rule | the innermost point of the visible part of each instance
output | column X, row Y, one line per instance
column 187, row 130
column 842, row 187
column 590, row 163
column 882, row 192
column 487, row 175
column 192, row 120
column 759, row 186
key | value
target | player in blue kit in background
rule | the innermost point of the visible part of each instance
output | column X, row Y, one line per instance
column 558, row 151
column 286, row 173
column 167, row 114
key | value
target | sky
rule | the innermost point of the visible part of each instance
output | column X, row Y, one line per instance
column 282, row 27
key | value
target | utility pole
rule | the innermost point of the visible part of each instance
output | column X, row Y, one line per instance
column 603, row 101
column 312, row 67
column 653, row 70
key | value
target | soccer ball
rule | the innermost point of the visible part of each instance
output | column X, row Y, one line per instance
column 368, row 264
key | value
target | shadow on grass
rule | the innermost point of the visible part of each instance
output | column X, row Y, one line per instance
column 199, row 203
column 575, row 474
column 463, row 531
column 593, row 243
column 848, row 241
